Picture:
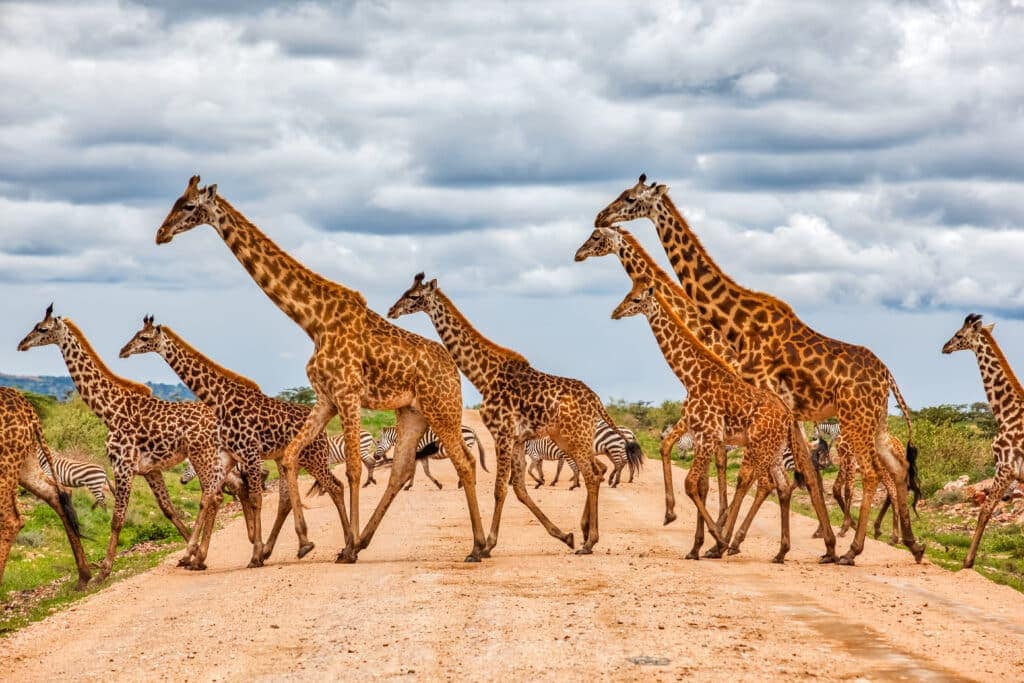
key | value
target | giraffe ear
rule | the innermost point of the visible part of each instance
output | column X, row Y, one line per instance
column 49, row 311
column 432, row 284
column 211, row 192
column 660, row 189
column 989, row 327
column 193, row 183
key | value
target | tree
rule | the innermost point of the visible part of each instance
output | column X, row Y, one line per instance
column 304, row 395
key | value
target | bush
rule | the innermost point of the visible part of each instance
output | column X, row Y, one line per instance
column 73, row 425
column 31, row 539
column 946, row 451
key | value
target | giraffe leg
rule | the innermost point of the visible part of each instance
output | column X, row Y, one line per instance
column 163, row 499
column 284, row 508
column 702, row 454
column 426, row 471
column 314, row 425
column 123, row 475
column 43, row 489
column 410, row 425
column 763, row 489
column 412, row 477
column 465, row 466
column 667, row 442
column 802, row 461
column 840, row 489
column 10, row 524
column 253, row 464
column 350, row 414
column 784, row 491
column 698, row 532
column 1000, row 484
column 519, row 487
column 592, row 479
column 502, row 480
column 721, row 468
column 744, row 480
column 317, row 463
column 897, row 479
column 820, row 531
column 862, row 450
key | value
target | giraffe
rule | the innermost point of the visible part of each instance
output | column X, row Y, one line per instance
column 145, row 435
column 816, row 375
column 251, row 427
column 519, row 403
column 842, row 488
column 1006, row 398
column 21, row 445
column 720, row 405
column 359, row 360
column 640, row 267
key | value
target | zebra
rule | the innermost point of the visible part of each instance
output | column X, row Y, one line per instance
column 189, row 473
column 829, row 429
column 607, row 441
column 819, row 456
column 539, row 450
column 367, row 448
column 428, row 448
column 75, row 473
column 685, row 442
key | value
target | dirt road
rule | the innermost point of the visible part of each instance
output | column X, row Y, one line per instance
column 410, row 607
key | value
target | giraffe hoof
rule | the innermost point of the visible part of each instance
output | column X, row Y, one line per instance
column 918, row 551
column 692, row 555
column 254, row 563
column 669, row 518
column 185, row 561
column 346, row 556
column 846, row 561
column 584, row 551
column 82, row 584
column 713, row 554
column 569, row 540
column 304, row 549
column 818, row 534
column 733, row 550
column 828, row 558
column 198, row 567
column 472, row 558
column 779, row 559
column 266, row 555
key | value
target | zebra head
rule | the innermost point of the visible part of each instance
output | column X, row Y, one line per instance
column 639, row 301
column 147, row 340
column 416, row 298
column 638, row 201
column 49, row 330
column 970, row 336
column 603, row 241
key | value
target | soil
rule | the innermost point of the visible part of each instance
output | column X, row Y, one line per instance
column 411, row 607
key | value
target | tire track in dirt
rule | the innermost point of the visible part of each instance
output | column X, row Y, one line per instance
column 410, row 607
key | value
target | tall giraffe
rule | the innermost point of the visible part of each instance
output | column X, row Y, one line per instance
column 519, row 403
column 21, row 445
column 1006, row 399
column 720, row 405
column 145, row 435
column 359, row 360
column 816, row 375
column 640, row 267
column 251, row 426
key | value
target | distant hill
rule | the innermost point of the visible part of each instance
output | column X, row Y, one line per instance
column 60, row 386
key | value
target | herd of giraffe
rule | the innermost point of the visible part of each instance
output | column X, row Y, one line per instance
column 752, row 371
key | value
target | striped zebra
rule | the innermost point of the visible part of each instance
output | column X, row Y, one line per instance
column 189, row 473
column 367, row 449
column 78, row 473
column 829, row 429
column 819, row 456
column 607, row 442
column 685, row 442
column 539, row 450
column 428, row 448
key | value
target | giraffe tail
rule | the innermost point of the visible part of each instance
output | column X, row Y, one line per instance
column 480, row 454
column 913, row 479
column 63, row 497
column 796, row 440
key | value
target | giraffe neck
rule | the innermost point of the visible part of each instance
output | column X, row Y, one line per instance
column 304, row 296
column 1002, row 388
column 713, row 292
column 211, row 383
column 99, row 388
column 639, row 265
column 478, row 358
column 689, row 359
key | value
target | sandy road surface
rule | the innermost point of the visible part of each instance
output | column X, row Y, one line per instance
column 410, row 607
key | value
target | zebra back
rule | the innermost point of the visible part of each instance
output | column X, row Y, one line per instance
column 336, row 447
column 829, row 429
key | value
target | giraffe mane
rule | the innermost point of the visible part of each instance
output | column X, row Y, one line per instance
column 691, row 337
column 127, row 384
column 1004, row 363
column 208, row 362
column 457, row 314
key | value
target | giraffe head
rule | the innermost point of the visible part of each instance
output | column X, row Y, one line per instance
column 634, row 202
column 639, row 301
column 149, row 339
column 603, row 241
column 969, row 336
column 49, row 330
column 197, row 206
column 416, row 298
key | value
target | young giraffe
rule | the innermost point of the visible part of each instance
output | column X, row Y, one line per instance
column 1006, row 398
column 720, row 406
column 519, row 403
column 817, row 376
column 145, row 436
column 640, row 267
column 359, row 360
column 21, row 444
column 251, row 427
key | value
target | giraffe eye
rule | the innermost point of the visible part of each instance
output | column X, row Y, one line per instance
column 630, row 200
column 189, row 207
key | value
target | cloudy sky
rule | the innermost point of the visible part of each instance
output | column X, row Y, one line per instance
column 864, row 161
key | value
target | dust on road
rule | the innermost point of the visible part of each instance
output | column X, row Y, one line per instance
column 635, row 608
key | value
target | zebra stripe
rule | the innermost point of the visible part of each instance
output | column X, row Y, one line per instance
column 77, row 473
column 829, row 429
column 685, row 442
column 539, row 450
column 607, row 442
column 428, row 442
column 336, row 443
